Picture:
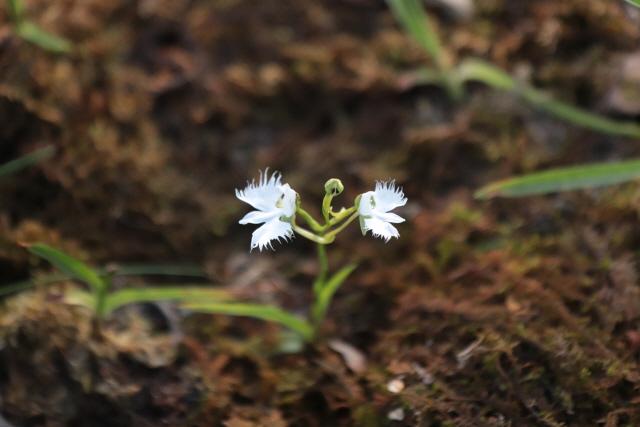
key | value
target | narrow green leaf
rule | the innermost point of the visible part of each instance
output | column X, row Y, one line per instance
column 27, row 160
column 257, row 311
column 563, row 179
column 16, row 10
column 487, row 73
column 635, row 3
column 185, row 270
column 412, row 16
column 46, row 40
column 153, row 294
column 68, row 265
column 493, row 76
column 321, row 305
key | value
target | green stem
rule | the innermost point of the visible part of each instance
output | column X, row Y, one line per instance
column 326, row 207
column 322, row 240
column 337, row 217
column 324, row 296
column 315, row 225
column 257, row 311
column 101, row 298
column 323, row 264
column 332, row 234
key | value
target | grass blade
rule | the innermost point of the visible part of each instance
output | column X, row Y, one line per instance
column 46, row 40
column 563, row 179
column 27, row 160
column 496, row 78
column 256, row 311
column 68, row 265
column 153, row 294
column 415, row 21
column 16, row 10
column 326, row 293
column 635, row 3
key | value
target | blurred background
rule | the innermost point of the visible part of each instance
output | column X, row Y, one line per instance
column 501, row 312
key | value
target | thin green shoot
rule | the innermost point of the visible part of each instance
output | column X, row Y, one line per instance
column 124, row 297
column 102, row 300
column 564, row 179
column 33, row 33
column 68, row 265
column 27, row 160
column 256, row 311
column 327, row 291
column 414, row 19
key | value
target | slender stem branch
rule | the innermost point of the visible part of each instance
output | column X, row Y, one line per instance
column 323, row 263
column 315, row 225
column 337, row 217
column 332, row 234
column 326, row 207
column 342, row 214
column 323, row 240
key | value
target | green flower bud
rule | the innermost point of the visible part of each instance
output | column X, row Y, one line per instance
column 333, row 187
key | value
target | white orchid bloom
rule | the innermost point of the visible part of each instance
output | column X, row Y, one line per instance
column 374, row 210
column 275, row 203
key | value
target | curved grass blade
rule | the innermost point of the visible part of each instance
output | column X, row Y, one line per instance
column 27, row 160
column 123, row 297
column 489, row 74
column 16, row 10
column 69, row 265
column 413, row 18
column 563, row 179
column 328, row 290
column 256, row 311
column 635, row 3
column 46, row 40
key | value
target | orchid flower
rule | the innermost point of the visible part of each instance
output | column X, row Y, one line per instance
column 374, row 209
column 275, row 205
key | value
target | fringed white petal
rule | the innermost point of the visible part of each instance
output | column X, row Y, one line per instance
column 380, row 228
column 388, row 196
column 273, row 201
column 264, row 194
column 275, row 229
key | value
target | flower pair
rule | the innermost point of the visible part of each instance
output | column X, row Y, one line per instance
column 276, row 205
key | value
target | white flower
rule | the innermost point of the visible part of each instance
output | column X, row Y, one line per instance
column 273, row 201
column 374, row 210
